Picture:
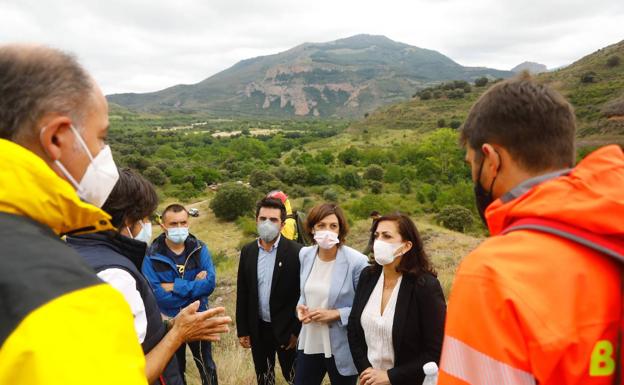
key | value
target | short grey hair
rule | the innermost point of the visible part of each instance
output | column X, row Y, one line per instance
column 38, row 80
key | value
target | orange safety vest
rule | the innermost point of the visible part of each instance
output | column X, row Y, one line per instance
column 530, row 307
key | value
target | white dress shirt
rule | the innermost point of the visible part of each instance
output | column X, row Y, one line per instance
column 377, row 324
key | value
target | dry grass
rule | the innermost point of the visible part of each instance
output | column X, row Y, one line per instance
column 234, row 364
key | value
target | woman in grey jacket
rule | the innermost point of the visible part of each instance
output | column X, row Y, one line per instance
column 329, row 276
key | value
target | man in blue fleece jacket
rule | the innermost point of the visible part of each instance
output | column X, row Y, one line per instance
column 179, row 269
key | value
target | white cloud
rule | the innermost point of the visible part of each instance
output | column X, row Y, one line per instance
column 146, row 45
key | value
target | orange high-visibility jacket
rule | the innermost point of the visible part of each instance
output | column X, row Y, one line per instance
column 533, row 308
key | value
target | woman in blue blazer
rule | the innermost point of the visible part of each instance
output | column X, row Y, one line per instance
column 329, row 276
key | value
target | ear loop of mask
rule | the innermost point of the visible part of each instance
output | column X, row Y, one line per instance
column 130, row 232
column 58, row 163
column 82, row 142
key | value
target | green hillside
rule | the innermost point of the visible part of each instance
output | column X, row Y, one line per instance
column 594, row 85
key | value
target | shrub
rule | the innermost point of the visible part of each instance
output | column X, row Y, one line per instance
column 232, row 200
column 350, row 156
column 480, row 82
column 588, row 77
column 350, row 179
column 613, row 61
column 376, row 187
column 426, row 95
column 259, row 177
column 455, row 124
column 455, row 217
column 330, row 195
column 155, row 175
column 441, row 123
column 362, row 208
column 456, row 94
column 374, row 172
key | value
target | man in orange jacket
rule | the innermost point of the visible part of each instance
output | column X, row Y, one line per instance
column 527, row 307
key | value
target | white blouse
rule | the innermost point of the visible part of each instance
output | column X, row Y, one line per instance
column 377, row 324
column 314, row 337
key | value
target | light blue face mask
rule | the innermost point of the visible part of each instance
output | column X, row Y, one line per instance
column 145, row 235
column 177, row 234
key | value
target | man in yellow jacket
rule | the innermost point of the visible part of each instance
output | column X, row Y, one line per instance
column 290, row 225
column 542, row 304
column 59, row 324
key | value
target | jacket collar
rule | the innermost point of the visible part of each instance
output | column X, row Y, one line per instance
column 159, row 246
column 130, row 248
column 588, row 196
column 30, row 188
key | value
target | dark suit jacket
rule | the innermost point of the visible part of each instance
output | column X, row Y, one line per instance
column 418, row 327
column 284, row 292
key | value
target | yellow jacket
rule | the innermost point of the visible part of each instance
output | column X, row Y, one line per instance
column 290, row 225
column 59, row 324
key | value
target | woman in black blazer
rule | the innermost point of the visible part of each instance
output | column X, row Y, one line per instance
column 402, row 282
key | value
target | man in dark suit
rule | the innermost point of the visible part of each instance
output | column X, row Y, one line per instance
column 267, row 295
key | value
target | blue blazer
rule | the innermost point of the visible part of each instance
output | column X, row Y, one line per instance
column 347, row 268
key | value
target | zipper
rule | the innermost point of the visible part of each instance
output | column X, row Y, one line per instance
column 186, row 261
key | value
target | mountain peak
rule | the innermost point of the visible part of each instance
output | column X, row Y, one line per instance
column 532, row 67
column 345, row 77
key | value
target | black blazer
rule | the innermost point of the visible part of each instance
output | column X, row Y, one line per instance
column 418, row 327
column 284, row 292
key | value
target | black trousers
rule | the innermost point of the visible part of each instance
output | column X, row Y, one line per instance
column 202, row 355
column 263, row 349
column 311, row 369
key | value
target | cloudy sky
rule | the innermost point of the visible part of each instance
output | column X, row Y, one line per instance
column 147, row 45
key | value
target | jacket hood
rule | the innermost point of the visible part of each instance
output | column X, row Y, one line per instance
column 589, row 196
column 29, row 187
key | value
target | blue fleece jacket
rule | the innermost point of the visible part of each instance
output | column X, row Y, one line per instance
column 159, row 268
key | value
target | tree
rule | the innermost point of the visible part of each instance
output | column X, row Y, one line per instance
column 467, row 89
column 155, row 175
column 455, row 217
column 325, row 157
column 481, row 82
column 405, row 187
column 374, row 172
column 455, row 124
column 350, row 156
column 441, row 123
column 259, row 177
column 426, row 95
column 232, row 200
column 317, row 175
column 351, row 180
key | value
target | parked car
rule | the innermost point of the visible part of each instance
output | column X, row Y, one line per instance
column 193, row 212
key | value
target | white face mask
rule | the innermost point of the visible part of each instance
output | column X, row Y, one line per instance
column 145, row 235
column 99, row 179
column 384, row 252
column 326, row 239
